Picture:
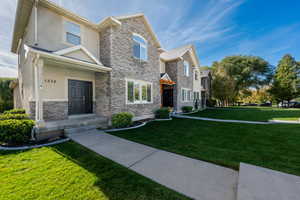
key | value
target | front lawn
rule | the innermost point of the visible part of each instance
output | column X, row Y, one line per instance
column 69, row 171
column 272, row 146
column 251, row 114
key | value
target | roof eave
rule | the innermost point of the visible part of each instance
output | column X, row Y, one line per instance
column 89, row 66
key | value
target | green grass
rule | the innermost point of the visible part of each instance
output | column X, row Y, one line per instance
column 271, row 146
column 69, row 171
column 251, row 114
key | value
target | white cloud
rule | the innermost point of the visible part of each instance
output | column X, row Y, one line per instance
column 8, row 72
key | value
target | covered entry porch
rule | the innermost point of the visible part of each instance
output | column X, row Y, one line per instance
column 66, row 90
column 167, row 91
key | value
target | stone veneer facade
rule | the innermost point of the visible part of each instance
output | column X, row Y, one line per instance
column 116, row 49
column 175, row 69
column 52, row 110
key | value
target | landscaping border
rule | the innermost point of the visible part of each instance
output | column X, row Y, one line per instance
column 124, row 129
column 134, row 127
column 34, row 146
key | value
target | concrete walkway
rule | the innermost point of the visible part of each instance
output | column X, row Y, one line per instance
column 233, row 121
column 257, row 183
column 193, row 178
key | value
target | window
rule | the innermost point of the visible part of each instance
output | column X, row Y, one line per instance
column 72, row 33
column 186, row 66
column 196, row 96
column 139, row 47
column 130, row 97
column 138, row 92
column 186, row 95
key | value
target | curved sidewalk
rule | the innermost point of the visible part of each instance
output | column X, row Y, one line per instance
column 232, row 121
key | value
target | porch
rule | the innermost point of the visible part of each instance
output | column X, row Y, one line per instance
column 67, row 92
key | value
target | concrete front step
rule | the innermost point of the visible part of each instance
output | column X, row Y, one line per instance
column 257, row 183
column 82, row 129
column 72, row 125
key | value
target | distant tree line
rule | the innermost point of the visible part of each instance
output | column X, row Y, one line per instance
column 6, row 95
column 240, row 79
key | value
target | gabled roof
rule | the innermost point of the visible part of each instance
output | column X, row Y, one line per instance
column 64, row 59
column 24, row 9
column 78, row 48
column 177, row 53
column 146, row 21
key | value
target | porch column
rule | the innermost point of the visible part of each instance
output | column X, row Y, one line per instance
column 38, row 71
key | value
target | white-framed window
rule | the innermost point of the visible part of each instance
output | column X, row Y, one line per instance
column 138, row 92
column 186, row 95
column 72, row 33
column 140, row 47
column 196, row 95
column 186, row 68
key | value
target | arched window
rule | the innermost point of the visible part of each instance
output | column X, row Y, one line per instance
column 139, row 47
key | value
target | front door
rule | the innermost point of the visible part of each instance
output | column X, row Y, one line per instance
column 80, row 97
column 167, row 96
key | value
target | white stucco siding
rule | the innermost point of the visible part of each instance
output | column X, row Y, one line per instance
column 51, row 33
column 55, row 86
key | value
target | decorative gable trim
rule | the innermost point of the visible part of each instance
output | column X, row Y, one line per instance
column 76, row 48
column 166, row 77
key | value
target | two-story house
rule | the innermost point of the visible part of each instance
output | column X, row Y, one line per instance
column 73, row 71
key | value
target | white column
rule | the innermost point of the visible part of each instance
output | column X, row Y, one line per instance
column 38, row 71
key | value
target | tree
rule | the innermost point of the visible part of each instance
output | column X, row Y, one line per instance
column 235, row 74
column 285, row 85
column 6, row 95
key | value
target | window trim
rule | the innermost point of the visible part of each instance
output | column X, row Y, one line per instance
column 186, row 97
column 64, row 32
column 143, row 45
column 141, row 83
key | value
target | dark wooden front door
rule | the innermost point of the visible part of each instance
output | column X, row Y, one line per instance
column 80, row 97
column 167, row 96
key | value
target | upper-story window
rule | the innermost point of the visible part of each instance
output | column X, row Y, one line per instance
column 186, row 68
column 73, row 35
column 196, row 75
column 139, row 47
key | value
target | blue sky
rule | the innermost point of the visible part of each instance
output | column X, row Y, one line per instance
column 218, row 28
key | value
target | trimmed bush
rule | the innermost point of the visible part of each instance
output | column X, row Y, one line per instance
column 122, row 120
column 162, row 113
column 15, row 131
column 15, row 111
column 187, row 109
column 13, row 116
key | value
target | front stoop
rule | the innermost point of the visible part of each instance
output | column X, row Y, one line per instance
column 257, row 183
column 72, row 125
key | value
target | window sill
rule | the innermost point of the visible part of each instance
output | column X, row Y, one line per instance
column 140, row 60
column 139, row 103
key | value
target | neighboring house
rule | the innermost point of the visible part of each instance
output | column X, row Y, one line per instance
column 71, row 68
column 206, row 78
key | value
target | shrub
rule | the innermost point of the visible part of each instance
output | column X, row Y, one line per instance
column 15, row 111
column 13, row 116
column 187, row 109
column 162, row 113
column 15, row 131
column 122, row 120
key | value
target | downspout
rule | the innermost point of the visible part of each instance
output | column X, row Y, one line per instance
column 36, row 22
